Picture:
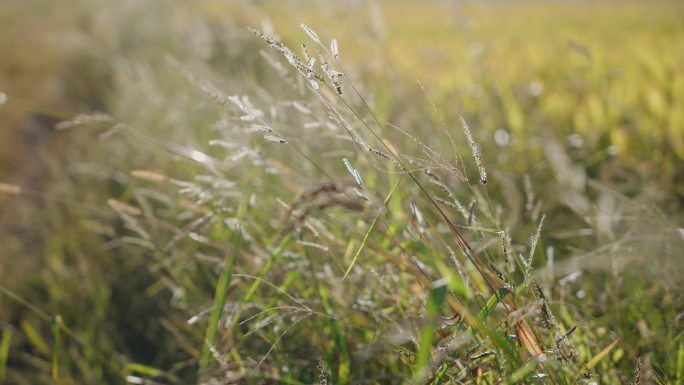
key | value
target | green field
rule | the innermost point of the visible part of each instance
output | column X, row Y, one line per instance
column 451, row 193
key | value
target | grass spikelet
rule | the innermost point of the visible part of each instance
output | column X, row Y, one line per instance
column 533, row 246
column 276, row 139
column 471, row 213
column 149, row 175
column 638, row 371
column 460, row 269
column 289, row 56
column 385, row 156
column 418, row 217
column 252, row 128
column 314, row 245
column 11, row 189
column 563, row 348
column 310, row 61
column 547, row 318
column 477, row 153
column 311, row 33
column 505, row 242
column 454, row 203
column 354, row 172
column 476, row 150
column 123, row 207
column 334, row 49
column 301, row 108
column 322, row 373
column 332, row 75
column 82, row 119
column 501, row 276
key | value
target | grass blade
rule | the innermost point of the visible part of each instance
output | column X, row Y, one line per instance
column 679, row 373
column 522, row 372
column 434, row 306
column 479, row 323
column 4, row 352
column 440, row 374
column 338, row 347
column 371, row 228
column 147, row 371
column 221, row 292
column 601, row 355
column 34, row 338
column 56, row 346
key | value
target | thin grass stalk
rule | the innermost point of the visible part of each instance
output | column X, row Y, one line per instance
column 221, row 291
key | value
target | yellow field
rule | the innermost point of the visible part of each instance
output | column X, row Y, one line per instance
column 610, row 72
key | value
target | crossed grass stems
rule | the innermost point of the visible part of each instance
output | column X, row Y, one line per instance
column 432, row 362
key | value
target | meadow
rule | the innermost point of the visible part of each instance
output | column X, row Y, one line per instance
column 308, row 192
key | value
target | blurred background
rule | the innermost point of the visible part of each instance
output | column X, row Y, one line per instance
column 605, row 76
column 585, row 98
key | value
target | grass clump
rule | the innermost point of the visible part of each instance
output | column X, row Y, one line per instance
column 298, row 235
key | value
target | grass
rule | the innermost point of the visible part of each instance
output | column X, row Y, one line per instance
column 228, row 217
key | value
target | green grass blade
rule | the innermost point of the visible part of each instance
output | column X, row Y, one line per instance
column 148, row 372
column 491, row 303
column 522, row 372
column 440, row 374
column 219, row 302
column 479, row 324
column 371, row 228
column 15, row 297
column 338, row 348
column 4, row 351
column 34, row 337
column 291, row 277
column 601, row 355
column 435, row 302
column 221, row 292
column 679, row 373
column 275, row 255
column 56, row 346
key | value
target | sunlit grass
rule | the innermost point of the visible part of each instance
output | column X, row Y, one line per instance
column 188, row 235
